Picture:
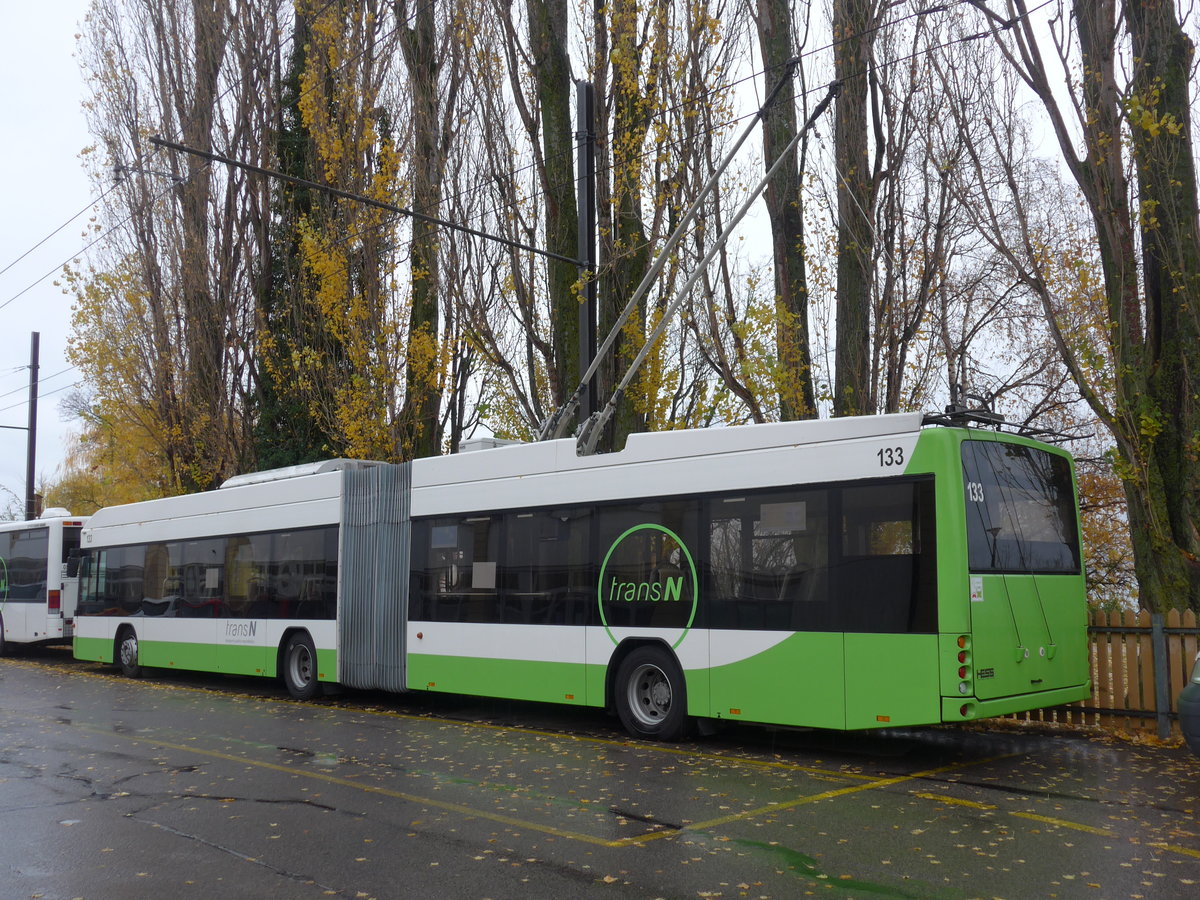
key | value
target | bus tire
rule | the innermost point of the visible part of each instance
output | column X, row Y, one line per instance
column 300, row 667
column 3, row 645
column 651, row 695
column 128, row 652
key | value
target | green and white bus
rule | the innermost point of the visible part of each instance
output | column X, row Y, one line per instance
column 38, row 583
column 845, row 574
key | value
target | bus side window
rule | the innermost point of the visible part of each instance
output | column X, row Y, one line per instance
column 884, row 577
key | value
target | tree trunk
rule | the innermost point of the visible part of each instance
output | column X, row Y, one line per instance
column 786, row 213
column 552, row 71
column 420, row 431
column 1169, row 423
column 856, row 203
column 204, row 393
column 628, row 253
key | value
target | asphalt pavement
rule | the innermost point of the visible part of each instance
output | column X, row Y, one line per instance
column 181, row 786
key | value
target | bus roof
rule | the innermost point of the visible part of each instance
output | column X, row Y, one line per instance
column 660, row 446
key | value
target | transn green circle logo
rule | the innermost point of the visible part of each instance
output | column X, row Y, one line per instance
column 648, row 580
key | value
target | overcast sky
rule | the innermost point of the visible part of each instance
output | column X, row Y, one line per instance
column 43, row 187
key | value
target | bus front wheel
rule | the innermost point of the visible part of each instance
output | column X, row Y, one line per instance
column 300, row 667
column 651, row 695
column 127, row 653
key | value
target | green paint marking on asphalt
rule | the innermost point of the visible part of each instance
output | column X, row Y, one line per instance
column 806, row 866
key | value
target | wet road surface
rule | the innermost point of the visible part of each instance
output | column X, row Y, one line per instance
column 201, row 786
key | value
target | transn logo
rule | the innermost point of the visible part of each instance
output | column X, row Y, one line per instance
column 669, row 590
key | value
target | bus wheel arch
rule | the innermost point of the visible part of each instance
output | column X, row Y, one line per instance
column 298, row 664
column 647, row 687
column 126, row 652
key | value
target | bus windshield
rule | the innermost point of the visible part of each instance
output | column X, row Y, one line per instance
column 1020, row 510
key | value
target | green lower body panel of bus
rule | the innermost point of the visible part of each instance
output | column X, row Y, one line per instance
column 833, row 680
column 513, row 679
column 93, row 649
column 223, row 658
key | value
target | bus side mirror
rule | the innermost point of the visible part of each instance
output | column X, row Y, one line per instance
column 73, row 562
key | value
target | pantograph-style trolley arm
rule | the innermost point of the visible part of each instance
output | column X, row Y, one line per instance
column 590, row 430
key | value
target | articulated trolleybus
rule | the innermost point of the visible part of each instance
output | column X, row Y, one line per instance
column 38, row 583
column 846, row 574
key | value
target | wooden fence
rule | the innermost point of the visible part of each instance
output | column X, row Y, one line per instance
column 1140, row 663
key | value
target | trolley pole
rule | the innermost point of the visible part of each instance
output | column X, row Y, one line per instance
column 31, row 447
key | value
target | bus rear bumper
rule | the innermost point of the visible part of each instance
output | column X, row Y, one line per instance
column 967, row 709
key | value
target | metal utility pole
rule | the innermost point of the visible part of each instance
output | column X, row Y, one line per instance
column 31, row 510
column 31, row 447
column 585, row 96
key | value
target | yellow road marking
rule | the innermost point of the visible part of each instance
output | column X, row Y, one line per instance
column 942, row 798
column 1177, row 849
column 1063, row 823
column 812, row 798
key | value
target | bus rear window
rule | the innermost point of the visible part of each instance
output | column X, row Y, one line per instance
column 1020, row 510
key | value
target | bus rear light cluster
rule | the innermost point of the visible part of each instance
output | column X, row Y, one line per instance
column 53, row 601
column 964, row 664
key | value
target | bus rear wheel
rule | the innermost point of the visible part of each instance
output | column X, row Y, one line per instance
column 300, row 667
column 651, row 695
column 127, row 653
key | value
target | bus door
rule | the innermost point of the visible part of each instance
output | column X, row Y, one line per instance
column 777, row 652
column 69, row 579
column 1023, row 554
column 248, row 585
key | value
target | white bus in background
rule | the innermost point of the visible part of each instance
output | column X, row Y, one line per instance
column 39, row 584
